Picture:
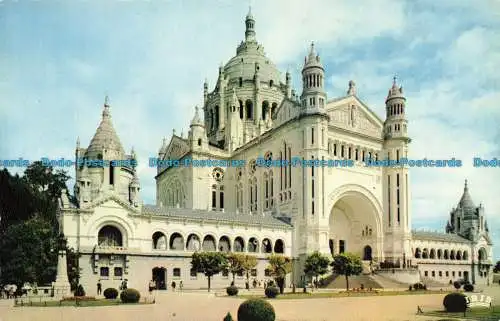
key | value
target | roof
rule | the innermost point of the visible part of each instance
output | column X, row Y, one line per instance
column 437, row 236
column 223, row 217
column 105, row 137
column 466, row 202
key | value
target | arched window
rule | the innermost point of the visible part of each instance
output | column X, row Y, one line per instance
column 239, row 245
column 265, row 109
column 432, row 255
column 253, row 245
column 267, row 247
column 439, row 254
column 176, row 242
column 109, row 236
column 193, row 243
column 241, row 109
column 159, row 241
column 279, row 247
column 249, row 109
column 418, row 253
column 241, row 81
column 208, row 243
column 217, row 114
column 224, row 244
column 273, row 109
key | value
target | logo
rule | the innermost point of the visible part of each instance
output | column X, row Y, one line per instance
column 478, row 301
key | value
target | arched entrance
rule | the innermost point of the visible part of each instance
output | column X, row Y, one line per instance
column 367, row 255
column 355, row 223
column 160, row 278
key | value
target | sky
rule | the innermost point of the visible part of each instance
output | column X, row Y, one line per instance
column 58, row 60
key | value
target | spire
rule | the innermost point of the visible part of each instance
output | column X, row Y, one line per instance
column 312, row 59
column 78, row 142
column 395, row 91
column 312, row 51
column 196, row 119
column 250, row 27
column 352, row 88
column 105, row 137
column 466, row 202
column 105, row 112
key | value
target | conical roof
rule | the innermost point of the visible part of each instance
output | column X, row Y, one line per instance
column 466, row 202
column 105, row 137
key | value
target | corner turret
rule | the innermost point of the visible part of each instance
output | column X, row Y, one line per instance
column 313, row 94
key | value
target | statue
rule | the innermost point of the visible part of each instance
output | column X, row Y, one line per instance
column 194, row 244
column 161, row 244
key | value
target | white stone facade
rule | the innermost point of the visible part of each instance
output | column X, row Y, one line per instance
column 252, row 116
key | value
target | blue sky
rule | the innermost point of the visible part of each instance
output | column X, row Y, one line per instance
column 58, row 61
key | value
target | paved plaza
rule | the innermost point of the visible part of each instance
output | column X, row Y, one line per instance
column 205, row 307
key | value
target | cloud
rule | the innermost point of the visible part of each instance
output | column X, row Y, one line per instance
column 152, row 59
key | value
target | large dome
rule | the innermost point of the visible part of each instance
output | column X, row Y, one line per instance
column 243, row 64
column 248, row 54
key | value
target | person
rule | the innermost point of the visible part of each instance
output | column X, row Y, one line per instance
column 254, row 283
column 173, row 285
column 123, row 287
column 247, row 285
column 181, row 285
column 152, row 286
column 99, row 287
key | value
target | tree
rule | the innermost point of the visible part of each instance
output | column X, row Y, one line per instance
column 316, row 264
column 496, row 269
column 208, row 263
column 234, row 264
column 347, row 264
column 279, row 266
column 248, row 263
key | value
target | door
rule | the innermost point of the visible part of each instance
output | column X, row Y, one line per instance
column 160, row 278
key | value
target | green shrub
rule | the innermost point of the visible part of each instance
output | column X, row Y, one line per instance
column 79, row 290
column 468, row 287
column 272, row 292
column 256, row 310
column 232, row 290
column 110, row 293
column 410, row 288
column 419, row 286
column 130, row 296
column 228, row 317
column 455, row 302
column 457, row 285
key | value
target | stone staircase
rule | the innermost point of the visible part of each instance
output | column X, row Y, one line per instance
column 387, row 283
column 355, row 281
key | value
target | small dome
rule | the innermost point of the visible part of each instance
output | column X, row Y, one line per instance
column 466, row 203
column 105, row 137
column 395, row 91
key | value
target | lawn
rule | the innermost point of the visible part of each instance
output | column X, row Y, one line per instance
column 492, row 313
column 309, row 295
column 72, row 303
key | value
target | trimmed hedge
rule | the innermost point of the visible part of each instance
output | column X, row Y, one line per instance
column 468, row 287
column 130, row 296
column 232, row 290
column 455, row 302
column 272, row 292
column 110, row 293
column 256, row 310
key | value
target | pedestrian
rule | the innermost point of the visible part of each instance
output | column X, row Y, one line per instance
column 99, row 287
column 181, row 285
column 152, row 286
column 173, row 285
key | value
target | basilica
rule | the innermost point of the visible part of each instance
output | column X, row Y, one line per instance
column 250, row 116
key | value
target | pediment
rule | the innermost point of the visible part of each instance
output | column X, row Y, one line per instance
column 112, row 201
column 177, row 148
column 352, row 114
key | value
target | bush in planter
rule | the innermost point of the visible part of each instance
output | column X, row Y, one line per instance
column 455, row 302
column 79, row 290
column 130, row 296
column 457, row 285
column 468, row 287
column 272, row 292
column 232, row 290
column 256, row 310
column 110, row 293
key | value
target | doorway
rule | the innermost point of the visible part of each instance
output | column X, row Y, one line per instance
column 160, row 278
column 367, row 256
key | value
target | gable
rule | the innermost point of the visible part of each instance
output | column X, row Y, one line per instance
column 359, row 119
column 177, row 148
column 111, row 201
